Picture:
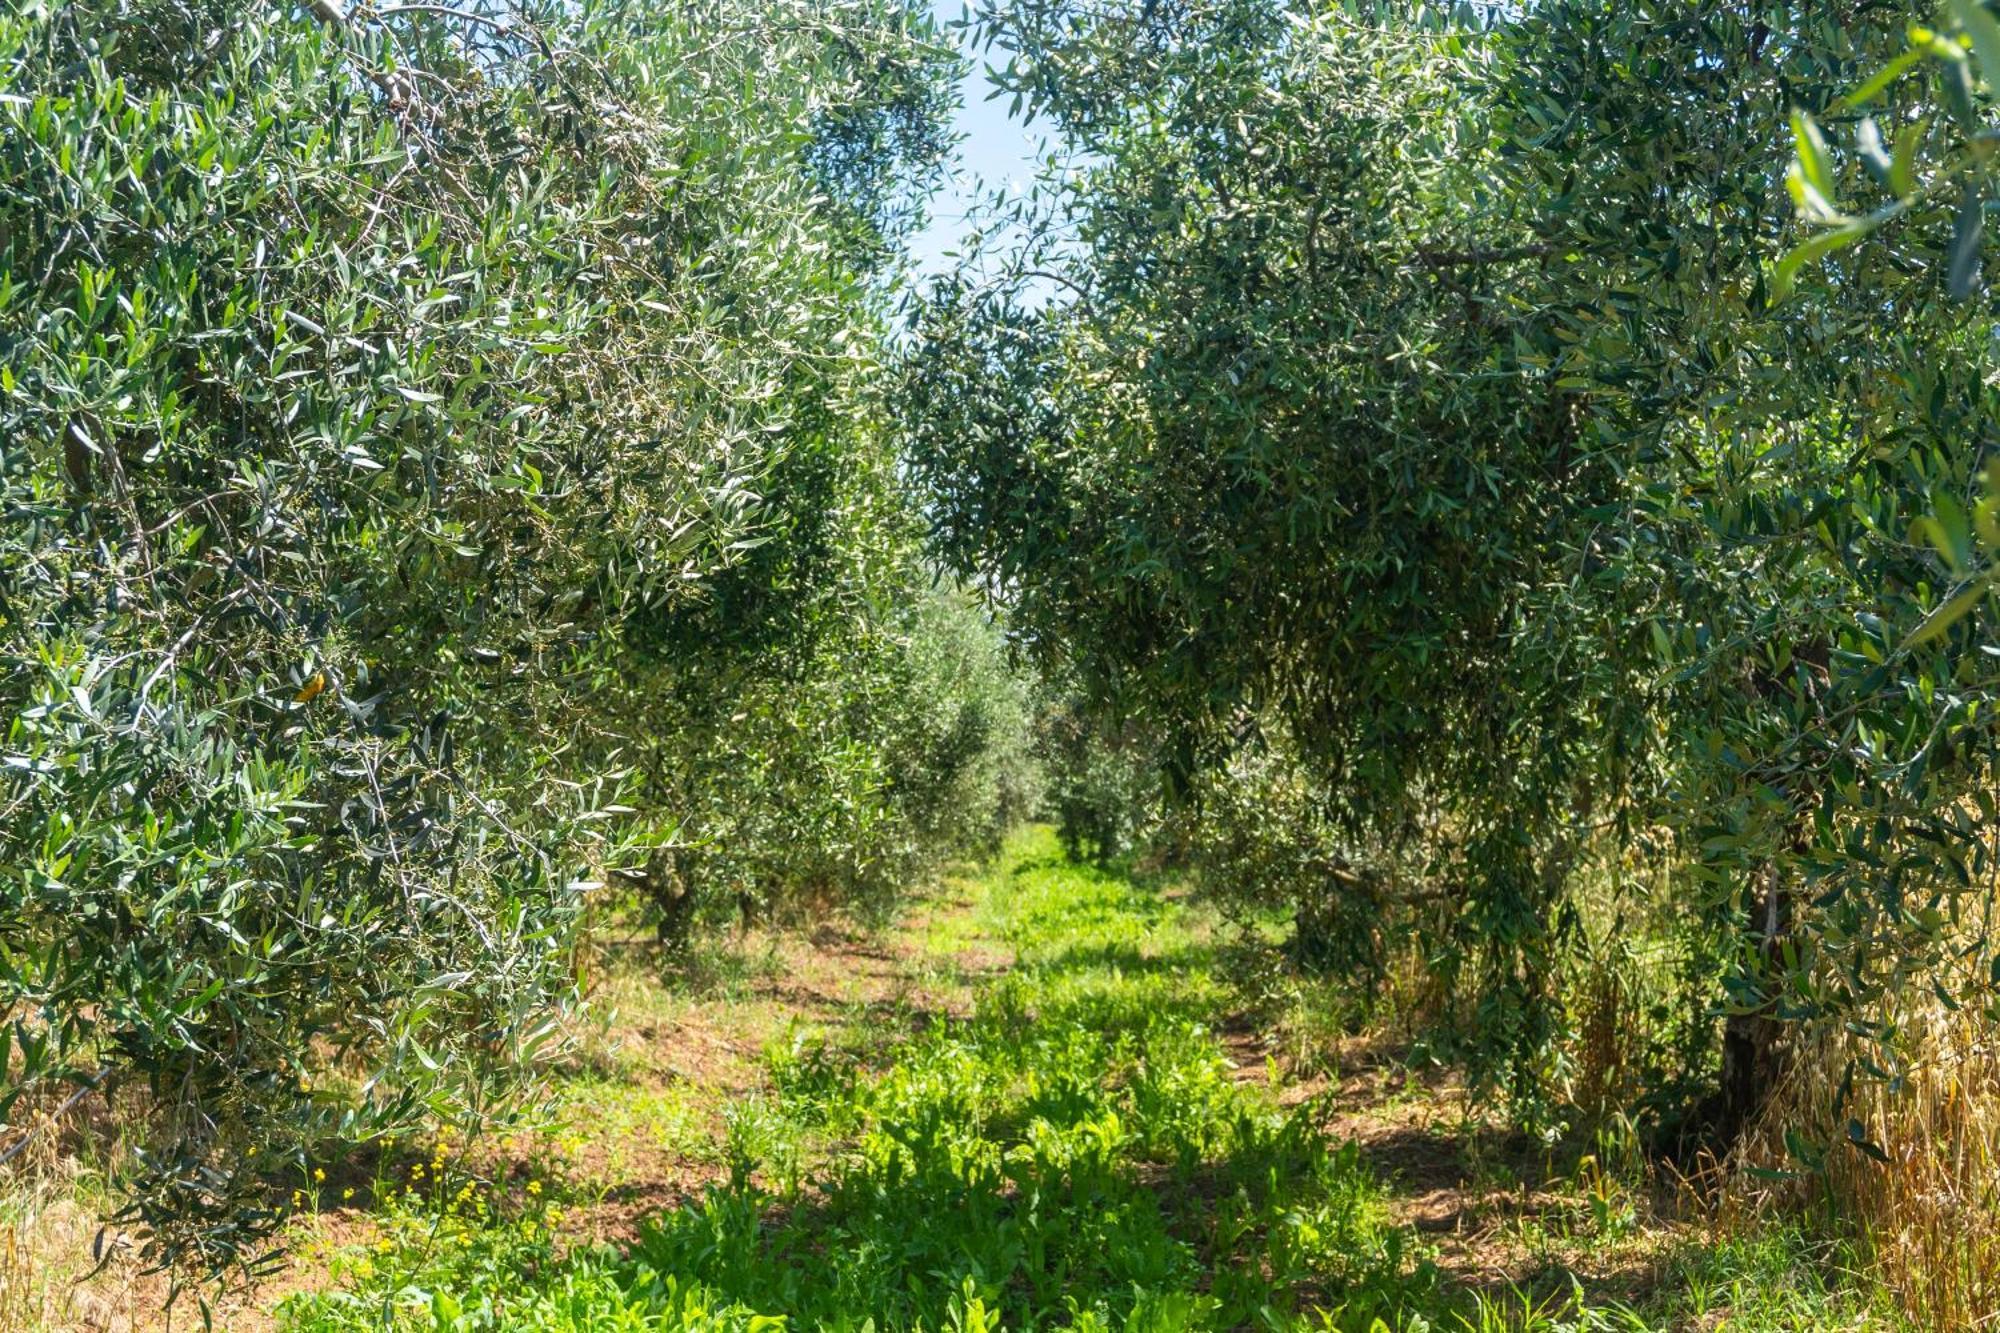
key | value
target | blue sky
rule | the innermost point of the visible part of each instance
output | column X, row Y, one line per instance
column 995, row 153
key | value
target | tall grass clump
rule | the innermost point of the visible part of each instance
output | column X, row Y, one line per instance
column 1903, row 1160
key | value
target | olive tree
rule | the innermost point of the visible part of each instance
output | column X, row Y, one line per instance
column 1412, row 388
column 373, row 382
column 1279, row 447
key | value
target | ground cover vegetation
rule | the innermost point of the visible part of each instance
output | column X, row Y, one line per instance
column 1079, row 1138
column 1491, row 500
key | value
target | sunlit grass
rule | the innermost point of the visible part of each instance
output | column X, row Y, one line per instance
column 1077, row 1148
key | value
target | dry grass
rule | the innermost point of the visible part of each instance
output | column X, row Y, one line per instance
column 52, row 1233
column 1928, row 1218
column 49, row 1227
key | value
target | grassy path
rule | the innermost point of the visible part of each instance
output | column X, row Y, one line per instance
column 1066, row 1141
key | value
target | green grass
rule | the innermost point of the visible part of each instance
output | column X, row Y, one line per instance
column 1077, row 1153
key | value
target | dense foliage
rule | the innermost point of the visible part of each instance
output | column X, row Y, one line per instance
column 1451, row 482
column 1403, row 414
column 439, row 471
column 835, row 781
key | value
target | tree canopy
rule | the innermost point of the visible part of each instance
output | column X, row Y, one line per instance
column 465, row 463
column 1415, row 403
column 442, row 474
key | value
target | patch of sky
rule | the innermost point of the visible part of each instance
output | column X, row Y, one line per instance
column 998, row 159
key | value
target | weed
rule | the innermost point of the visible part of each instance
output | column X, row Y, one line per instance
column 1079, row 1151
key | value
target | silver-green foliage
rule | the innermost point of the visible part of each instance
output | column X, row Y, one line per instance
column 373, row 385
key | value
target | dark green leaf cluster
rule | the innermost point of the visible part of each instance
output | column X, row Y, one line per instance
column 1410, row 433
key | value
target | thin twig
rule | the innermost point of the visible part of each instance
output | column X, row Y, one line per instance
column 89, row 1087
